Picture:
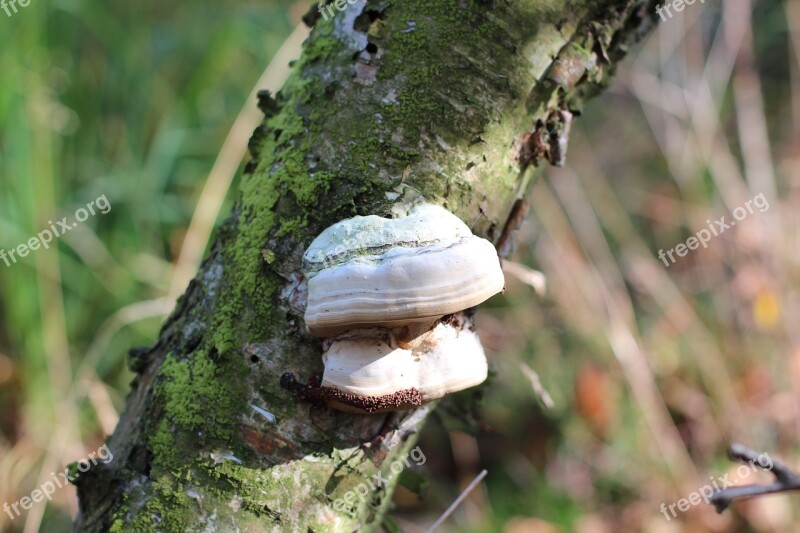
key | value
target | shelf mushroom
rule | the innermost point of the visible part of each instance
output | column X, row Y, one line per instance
column 379, row 288
column 370, row 373
column 372, row 271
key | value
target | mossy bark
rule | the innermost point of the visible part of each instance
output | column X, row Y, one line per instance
column 450, row 101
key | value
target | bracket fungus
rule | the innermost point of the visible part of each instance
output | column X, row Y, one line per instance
column 378, row 290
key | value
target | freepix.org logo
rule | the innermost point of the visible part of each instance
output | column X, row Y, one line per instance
column 363, row 491
column 715, row 229
column 57, row 481
column 99, row 205
column 10, row 6
column 665, row 11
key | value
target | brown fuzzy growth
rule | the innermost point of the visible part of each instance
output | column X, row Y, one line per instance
column 313, row 393
column 404, row 399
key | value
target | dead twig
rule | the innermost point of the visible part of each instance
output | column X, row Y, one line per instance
column 458, row 501
column 786, row 479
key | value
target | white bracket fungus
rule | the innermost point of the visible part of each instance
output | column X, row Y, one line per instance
column 379, row 288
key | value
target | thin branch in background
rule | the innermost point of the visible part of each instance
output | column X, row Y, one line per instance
column 786, row 479
column 455, row 504
column 527, row 275
column 538, row 388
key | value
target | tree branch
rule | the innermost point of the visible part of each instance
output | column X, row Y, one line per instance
column 786, row 479
column 390, row 102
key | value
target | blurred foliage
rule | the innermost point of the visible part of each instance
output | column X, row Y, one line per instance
column 131, row 100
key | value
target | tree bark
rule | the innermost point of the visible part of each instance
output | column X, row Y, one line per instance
column 453, row 102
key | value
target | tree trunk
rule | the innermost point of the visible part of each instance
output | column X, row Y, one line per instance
column 450, row 101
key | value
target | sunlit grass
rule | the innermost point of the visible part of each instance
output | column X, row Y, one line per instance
column 128, row 100
column 664, row 367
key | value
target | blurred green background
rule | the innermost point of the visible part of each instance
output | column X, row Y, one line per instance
column 651, row 370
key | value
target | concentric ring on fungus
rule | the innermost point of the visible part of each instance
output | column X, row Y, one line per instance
column 378, row 289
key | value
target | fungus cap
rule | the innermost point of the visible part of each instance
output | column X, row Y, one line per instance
column 376, row 272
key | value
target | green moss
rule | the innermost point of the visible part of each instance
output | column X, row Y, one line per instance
column 323, row 46
column 277, row 199
column 201, row 401
column 166, row 509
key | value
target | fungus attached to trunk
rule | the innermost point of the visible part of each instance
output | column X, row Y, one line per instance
column 378, row 289
column 449, row 358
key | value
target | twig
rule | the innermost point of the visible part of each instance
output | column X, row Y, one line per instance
column 538, row 388
column 786, row 479
column 527, row 275
column 515, row 219
column 458, row 501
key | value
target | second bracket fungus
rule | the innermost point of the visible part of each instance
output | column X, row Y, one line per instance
column 379, row 288
column 373, row 373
